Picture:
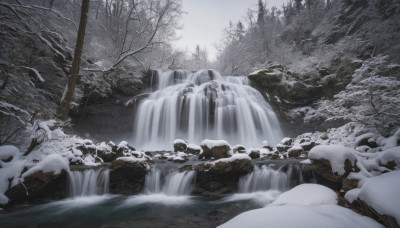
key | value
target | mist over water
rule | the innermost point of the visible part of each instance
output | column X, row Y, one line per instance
column 203, row 105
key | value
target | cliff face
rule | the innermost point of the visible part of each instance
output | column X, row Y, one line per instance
column 350, row 72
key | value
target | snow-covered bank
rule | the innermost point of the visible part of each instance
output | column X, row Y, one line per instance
column 307, row 205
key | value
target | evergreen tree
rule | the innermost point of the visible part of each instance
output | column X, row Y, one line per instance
column 261, row 13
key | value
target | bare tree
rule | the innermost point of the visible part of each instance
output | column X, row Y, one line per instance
column 73, row 77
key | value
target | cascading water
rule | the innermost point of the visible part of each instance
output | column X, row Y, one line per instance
column 200, row 105
column 88, row 182
column 170, row 183
column 267, row 178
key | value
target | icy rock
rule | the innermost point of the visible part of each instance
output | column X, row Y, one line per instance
column 333, row 162
column 254, row 153
column 239, row 149
column 8, row 152
column 215, row 148
column 308, row 195
column 180, row 145
column 295, row 151
column 193, row 149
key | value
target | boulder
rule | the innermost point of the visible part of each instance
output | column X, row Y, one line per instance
column 193, row 149
column 282, row 148
column 220, row 177
column 239, row 149
column 39, row 186
column 254, row 154
column 307, row 146
column 323, row 168
column 214, row 149
column 267, row 77
column 349, row 184
column 180, row 145
column 127, row 177
column 368, row 139
column 295, row 151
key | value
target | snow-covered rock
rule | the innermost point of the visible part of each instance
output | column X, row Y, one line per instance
column 382, row 194
column 308, row 195
column 215, row 148
column 328, row 216
column 307, row 205
column 335, row 154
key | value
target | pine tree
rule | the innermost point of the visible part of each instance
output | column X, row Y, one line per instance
column 261, row 13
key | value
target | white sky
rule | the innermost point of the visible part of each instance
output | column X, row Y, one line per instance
column 206, row 19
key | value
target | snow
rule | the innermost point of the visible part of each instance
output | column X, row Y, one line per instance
column 363, row 136
column 265, row 143
column 285, row 141
column 132, row 159
column 352, row 195
column 392, row 154
column 382, row 194
column 214, row 143
column 8, row 151
column 9, row 171
column 260, row 198
column 123, row 144
column 179, row 141
column 231, row 159
column 193, row 147
column 51, row 163
column 90, row 161
column 327, row 216
column 308, row 195
column 307, row 161
column 37, row 74
column 336, row 154
column 45, row 126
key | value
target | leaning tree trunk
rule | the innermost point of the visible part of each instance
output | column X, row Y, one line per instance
column 70, row 87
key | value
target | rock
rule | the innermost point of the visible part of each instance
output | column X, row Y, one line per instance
column 127, row 177
column 107, row 156
column 267, row 77
column 282, row 148
column 193, row 149
column 268, row 147
column 286, row 141
column 254, row 154
column 368, row 139
column 295, row 151
column 323, row 168
column 307, row 146
column 39, row 186
column 239, row 149
column 364, row 209
column 223, row 177
column 180, row 145
column 349, row 184
column 214, row 149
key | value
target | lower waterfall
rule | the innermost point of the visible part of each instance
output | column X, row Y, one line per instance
column 266, row 178
column 88, row 182
column 169, row 182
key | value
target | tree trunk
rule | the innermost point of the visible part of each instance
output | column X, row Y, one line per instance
column 70, row 87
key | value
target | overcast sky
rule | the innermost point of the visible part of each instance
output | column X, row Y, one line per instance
column 206, row 19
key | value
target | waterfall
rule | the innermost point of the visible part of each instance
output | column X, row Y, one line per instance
column 199, row 105
column 169, row 183
column 88, row 182
column 267, row 178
